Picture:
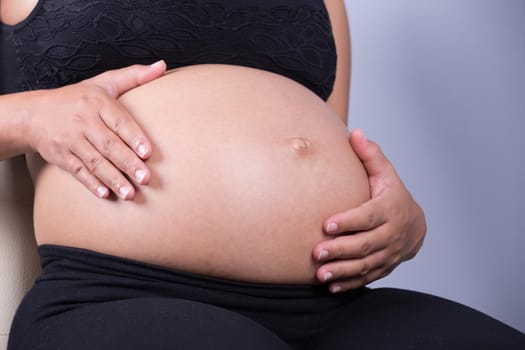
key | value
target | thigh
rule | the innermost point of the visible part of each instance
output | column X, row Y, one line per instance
column 148, row 323
column 388, row 318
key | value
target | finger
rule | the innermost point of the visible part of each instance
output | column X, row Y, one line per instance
column 79, row 170
column 356, row 246
column 370, row 154
column 352, row 268
column 358, row 282
column 118, row 81
column 114, row 150
column 120, row 121
column 105, row 171
column 367, row 216
column 357, row 269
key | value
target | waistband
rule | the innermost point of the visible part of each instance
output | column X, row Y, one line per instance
column 106, row 277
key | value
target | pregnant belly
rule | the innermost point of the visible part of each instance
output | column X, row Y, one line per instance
column 246, row 166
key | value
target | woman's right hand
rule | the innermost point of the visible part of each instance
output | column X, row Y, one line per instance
column 84, row 130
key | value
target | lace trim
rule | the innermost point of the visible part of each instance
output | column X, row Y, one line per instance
column 68, row 41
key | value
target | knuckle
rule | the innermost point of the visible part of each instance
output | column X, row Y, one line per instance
column 112, row 88
column 117, row 123
column 374, row 276
column 96, row 91
column 128, row 165
column 365, row 269
column 411, row 254
column 396, row 260
column 134, row 71
column 135, row 68
column 57, row 144
column 93, row 99
column 94, row 163
column 107, row 146
column 79, row 118
column 365, row 248
column 77, row 169
column 398, row 238
column 384, row 272
column 388, row 271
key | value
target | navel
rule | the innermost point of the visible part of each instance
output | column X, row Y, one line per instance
column 301, row 145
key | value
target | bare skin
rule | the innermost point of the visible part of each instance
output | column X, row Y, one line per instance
column 388, row 229
column 237, row 190
column 391, row 222
column 84, row 130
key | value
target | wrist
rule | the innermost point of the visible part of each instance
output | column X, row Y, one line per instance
column 15, row 120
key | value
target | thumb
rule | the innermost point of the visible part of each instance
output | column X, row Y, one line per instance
column 370, row 154
column 116, row 82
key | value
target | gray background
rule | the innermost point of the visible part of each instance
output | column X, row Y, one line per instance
column 440, row 85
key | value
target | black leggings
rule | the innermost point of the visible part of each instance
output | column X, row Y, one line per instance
column 87, row 300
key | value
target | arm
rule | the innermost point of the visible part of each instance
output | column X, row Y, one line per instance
column 13, row 125
column 338, row 100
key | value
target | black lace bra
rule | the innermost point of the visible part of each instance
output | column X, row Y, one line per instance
column 66, row 41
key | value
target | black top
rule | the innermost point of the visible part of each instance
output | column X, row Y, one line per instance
column 66, row 41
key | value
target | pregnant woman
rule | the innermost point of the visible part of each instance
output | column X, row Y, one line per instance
column 207, row 206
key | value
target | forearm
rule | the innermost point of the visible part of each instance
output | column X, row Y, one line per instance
column 15, row 118
column 340, row 94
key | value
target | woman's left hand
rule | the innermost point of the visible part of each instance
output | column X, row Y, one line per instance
column 372, row 239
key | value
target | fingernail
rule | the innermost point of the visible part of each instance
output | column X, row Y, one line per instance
column 327, row 276
column 332, row 227
column 142, row 150
column 124, row 191
column 102, row 191
column 140, row 175
column 362, row 133
column 323, row 254
column 336, row 289
column 156, row 64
